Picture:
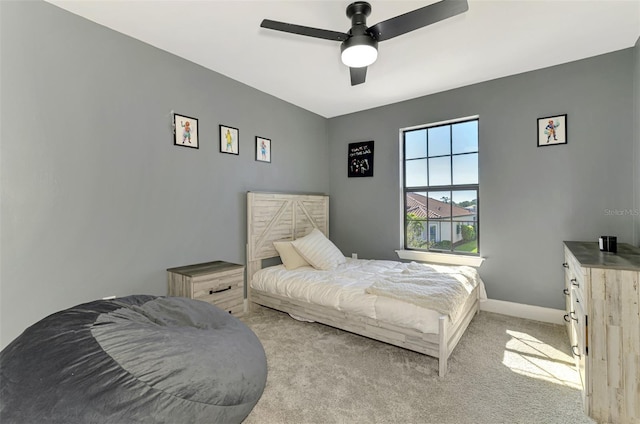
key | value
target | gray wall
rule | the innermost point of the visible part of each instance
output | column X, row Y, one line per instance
column 636, row 120
column 531, row 199
column 96, row 200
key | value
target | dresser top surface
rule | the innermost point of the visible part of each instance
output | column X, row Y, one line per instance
column 589, row 255
column 205, row 268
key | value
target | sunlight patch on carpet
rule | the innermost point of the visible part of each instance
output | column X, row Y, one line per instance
column 528, row 356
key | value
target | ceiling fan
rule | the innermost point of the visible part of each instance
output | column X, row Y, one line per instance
column 360, row 45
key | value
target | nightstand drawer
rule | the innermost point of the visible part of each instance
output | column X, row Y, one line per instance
column 217, row 284
column 212, row 292
column 214, row 287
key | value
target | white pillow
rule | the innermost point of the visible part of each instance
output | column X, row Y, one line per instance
column 318, row 250
column 291, row 259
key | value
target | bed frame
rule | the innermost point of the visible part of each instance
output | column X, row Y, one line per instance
column 278, row 216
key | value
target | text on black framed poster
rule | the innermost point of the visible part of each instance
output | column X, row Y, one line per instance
column 361, row 159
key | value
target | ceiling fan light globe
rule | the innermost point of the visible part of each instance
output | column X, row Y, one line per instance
column 359, row 56
column 359, row 51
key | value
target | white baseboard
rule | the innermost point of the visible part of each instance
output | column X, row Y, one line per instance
column 520, row 310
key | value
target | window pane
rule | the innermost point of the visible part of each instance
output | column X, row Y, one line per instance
column 439, row 205
column 440, row 141
column 416, row 205
column 440, row 171
column 465, row 169
column 465, row 137
column 465, row 203
column 415, row 144
column 416, row 214
column 465, row 200
column 417, row 236
column 466, row 237
column 416, row 173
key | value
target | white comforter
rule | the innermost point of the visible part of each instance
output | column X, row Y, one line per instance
column 345, row 289
column 442, row 288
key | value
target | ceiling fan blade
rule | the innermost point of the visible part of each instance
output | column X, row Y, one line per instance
column 358, row 75
column 303, row 30
column 418, row 18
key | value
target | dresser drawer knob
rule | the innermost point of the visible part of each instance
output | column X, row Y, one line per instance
column 572, row 315
column 574, row 281
column 566, row 292
column 566, row 265
column 566, row 317
column 219, row 291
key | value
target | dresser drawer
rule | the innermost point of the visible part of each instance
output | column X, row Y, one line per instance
column 580, row 345
column 574, row 273
column 574, row 286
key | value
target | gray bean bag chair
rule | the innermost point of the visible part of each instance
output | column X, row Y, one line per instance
column 137, row 359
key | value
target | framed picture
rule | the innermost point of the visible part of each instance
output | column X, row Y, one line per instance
column 552, row 130
column 360, row 159
column 185, row 131
column 229, row 137
column 263, row 149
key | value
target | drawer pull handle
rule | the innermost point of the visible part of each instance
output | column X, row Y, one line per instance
column 575, row 350
column 572, row 315
column 566, row 317
column 566, row 265
column 574, row 282
column 219, row 291
column 566, row 292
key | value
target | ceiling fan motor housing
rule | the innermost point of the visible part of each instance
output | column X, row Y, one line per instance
column 358, row 12
column 363, row 48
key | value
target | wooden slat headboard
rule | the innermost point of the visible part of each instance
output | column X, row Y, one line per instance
column 281, row 216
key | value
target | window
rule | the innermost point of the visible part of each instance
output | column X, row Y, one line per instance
column 440, row 168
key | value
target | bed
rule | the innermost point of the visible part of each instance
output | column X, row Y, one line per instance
column 352, row 295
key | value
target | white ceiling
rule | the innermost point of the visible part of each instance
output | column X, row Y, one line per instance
column 493, row 39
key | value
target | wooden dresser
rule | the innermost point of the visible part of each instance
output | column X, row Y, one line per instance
column 219, row 283
column 603, row 320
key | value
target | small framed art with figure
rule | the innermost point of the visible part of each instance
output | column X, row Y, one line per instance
column 552, row 130
column 263, row 149
column 185, row 131
column 229, row 137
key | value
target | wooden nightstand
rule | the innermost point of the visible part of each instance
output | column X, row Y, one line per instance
column 219, row 283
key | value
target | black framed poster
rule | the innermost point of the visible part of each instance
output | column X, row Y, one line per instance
column 360, row 159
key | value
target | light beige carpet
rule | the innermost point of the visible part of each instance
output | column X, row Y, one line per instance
column 504, row 370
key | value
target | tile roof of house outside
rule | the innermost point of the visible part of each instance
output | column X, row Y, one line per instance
column 435, row 209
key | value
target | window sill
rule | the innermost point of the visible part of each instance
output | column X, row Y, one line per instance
column 440, row 258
